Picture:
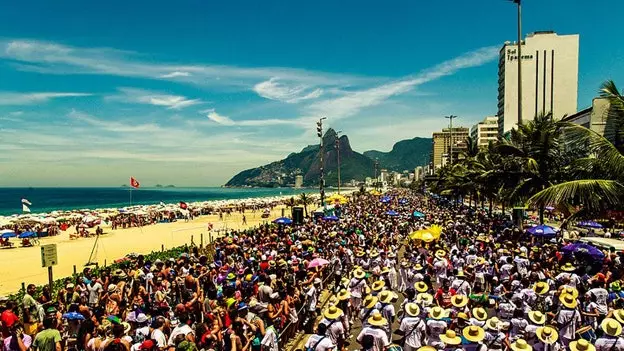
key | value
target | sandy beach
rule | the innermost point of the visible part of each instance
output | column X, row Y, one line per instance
column 19, row 264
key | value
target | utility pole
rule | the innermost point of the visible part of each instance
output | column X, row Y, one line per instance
column 376, row 163
column 319, row 133
column 338, row 156
column 451, row 118
column 519, row 3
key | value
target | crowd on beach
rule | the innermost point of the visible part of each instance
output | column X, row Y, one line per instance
column 481, row 285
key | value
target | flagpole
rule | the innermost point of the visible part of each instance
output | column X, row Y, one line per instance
column 130, row 196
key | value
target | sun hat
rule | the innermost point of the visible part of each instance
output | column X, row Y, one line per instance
column 548, row 335
column 537, row 317
column 492, row 323
column 332, row 312
column 438, row 312
column 473, row 333
column 568, row 290
column 404, row 264
column 421, row 287
column 112, row 288
column 126, row 326
column 450, row 338
column 460, row 273
column 459, row 301
column 359, row 274
column 568, row 300
column 541, row 288
column 374, row 254
column 611, row 327
column 427, row 348
column 377, row 320
column 582, row 345
column 141, row 318
column 568, row 267
column 231, row 276
column 370, row 301
column 378, row 285
column 521, row 345
column 147, row 345
column 412, row 309
column 424, row 298
column 480, row 313
column 440, row 254
column 619, row 315
column 385, row 270
column 392, row 254
column 462, row 315
column 385, row 296
column 418, row 267
column 343, row 295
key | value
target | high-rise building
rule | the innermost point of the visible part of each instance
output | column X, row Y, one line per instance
column 441, row 149
column 549, row 78
column 485, row 131
column 418, row 172
column 298, row 181
column 593, row 117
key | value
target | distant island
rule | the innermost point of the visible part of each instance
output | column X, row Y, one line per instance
column 166, row 186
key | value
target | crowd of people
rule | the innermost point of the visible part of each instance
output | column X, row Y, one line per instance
column 482, row 285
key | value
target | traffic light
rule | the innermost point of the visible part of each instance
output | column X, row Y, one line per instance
column 319, row 129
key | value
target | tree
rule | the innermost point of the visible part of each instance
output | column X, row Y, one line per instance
column 305, row 200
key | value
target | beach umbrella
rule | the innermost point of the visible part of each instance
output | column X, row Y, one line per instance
column 549, row 208
column 542, row 230
column 385, row 199
column 403, row 201
column 73, row 316
column 330, row 218
column 7, row 235
column 337, row 198
column 589, row 224
column 392, row 213
column 418, row 214
column 587, row 249
column 25, row 235
column 423, row 234
column 6, row 231
column 317, row 262
column 283, row 220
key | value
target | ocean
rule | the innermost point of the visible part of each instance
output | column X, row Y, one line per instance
column 50, row 199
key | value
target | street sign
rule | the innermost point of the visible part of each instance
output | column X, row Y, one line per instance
column 48, row 255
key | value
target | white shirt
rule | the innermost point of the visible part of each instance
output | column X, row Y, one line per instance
column 413, row 329
column 270, row 340
column 567, row 321
column 607, row 343
column 311, row 298
column 160, row 338
column 335, row 329
column 181, row 329
column 357, row 286
column 601, row 295
column 323, row 343
column 379, row 335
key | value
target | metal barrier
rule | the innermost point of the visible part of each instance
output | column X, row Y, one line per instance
column 291, row 329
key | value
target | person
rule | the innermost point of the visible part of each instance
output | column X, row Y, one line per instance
column 335, row 328
column 376, row 328
column 32, row 311
column 612, row 339
column 17, row 340
column 436, row 326
column 319, row 341
column 270, row 340
column 412, row 328
column 568, row 317
column 49, row 339
column 8, row 318
column 158, row 334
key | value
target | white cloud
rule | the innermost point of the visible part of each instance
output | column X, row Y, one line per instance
column 227, row 121
column 148, row 97
column 273, row 89
column 175, row 74
column 16, row 98
column 217, row 118
column 353, row 102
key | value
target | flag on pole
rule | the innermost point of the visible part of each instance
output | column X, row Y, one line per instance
column 26, row 202
column 134, row 183
column 25, row 208
column 183, row 205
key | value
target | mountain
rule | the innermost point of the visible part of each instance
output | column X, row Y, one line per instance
column 353, row 165
column 405, row 155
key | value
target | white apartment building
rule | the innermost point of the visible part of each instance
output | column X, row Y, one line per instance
column 549, row 78
column 485, row 131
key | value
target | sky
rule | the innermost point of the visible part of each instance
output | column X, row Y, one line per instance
column 192, row 92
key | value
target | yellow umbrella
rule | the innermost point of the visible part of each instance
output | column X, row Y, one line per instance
column 337, row 198
column 375, row 192
column 425, row 235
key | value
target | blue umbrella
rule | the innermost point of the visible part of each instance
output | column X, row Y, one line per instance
column 392, row 213
column 8, row 235
column 74, row 316
column 283, row 220
column 590, row 250
column 385, row 199
column 418, row 214
column 25, row 235
column 542, row 230
column 330, row 218
column 403, row 201
column 589, row 224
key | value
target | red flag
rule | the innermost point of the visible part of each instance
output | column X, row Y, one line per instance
column 183, row 205
column 134, row 183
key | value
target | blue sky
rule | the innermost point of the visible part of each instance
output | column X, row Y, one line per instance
column 191, row 92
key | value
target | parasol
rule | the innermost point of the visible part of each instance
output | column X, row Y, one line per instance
column 7, row 235
column 418, row 214
column 542, row 230
column 385, row 199
column 317, row 262
column 392, row 213
column 25, row 235
column 587, row 249
column 330, row 218
column 74, row 316
column 283, row 220
column 589, row 224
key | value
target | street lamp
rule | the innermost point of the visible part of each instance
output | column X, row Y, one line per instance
column 519, row 3
column 319, row 133
column 451, row 118
column 338, row 156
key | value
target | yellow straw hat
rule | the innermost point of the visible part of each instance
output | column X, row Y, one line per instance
column 459, row 301
column 421, row 287
column 450, row 338
column 385, row 270
column 479, row 313
column 370, row 301
column 537, row 317
column 611, row 327
column 386, row 296
column 440, row 254
column 473, row 333
column 438, row 312
column 493, row 323
column 568, row 290
column 359, row 274
column 424, row 298
column 619, row 315
column 568, row 267
column 521, row 345
column 568, row 300
column 377, row 320
column 343, row 295
column 427, row 348
column 541, row 288
column 547, row 335
column 378, row 285
column 582, row 345
column 332, row 312
column 412, row 309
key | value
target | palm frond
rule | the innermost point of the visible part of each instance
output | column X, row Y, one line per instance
column 593, row 194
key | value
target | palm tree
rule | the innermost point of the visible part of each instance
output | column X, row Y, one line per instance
column 614, row 128
column 290, row 203
column 305, row 200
